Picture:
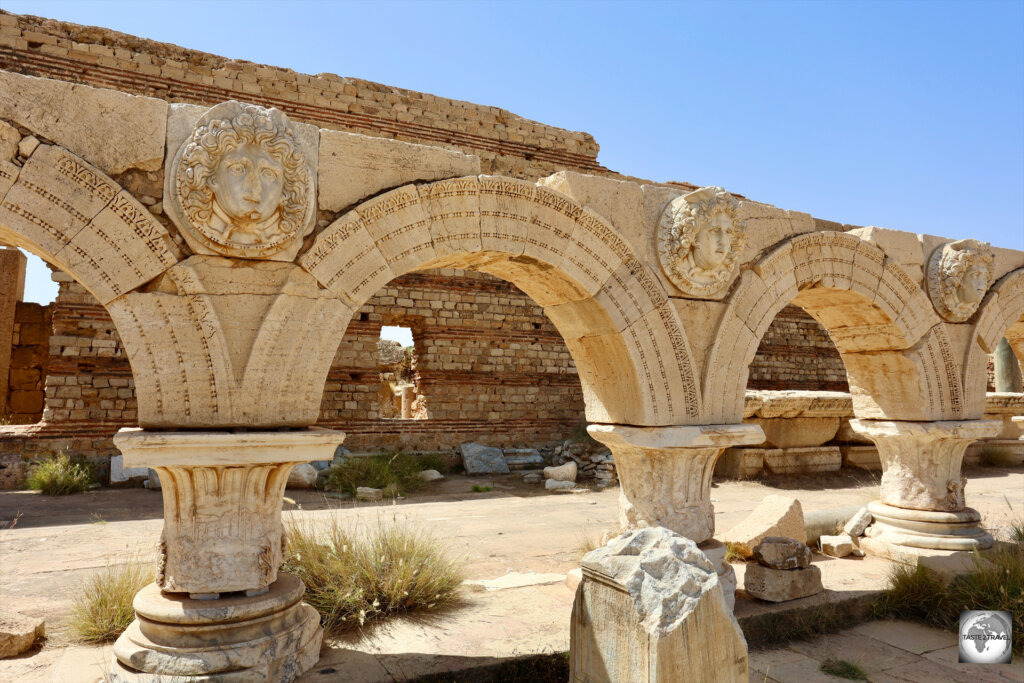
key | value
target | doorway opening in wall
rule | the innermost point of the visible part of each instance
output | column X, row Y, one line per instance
column 400, row 397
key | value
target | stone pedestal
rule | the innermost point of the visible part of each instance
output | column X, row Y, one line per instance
column 665, row 473
column 218, row 610
column 922, row 493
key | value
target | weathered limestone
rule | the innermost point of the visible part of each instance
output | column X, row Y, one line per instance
column 302, row 476
column 836, row 546
column 222, row 501
column 778, row 552
column 112, row 130
column 480, row 459
column 858, row 523
column 566, row 472
column 780, row 585
column 665, row 473
column 364, row 165
column 775, row 516
column 18, row 632
column 369, row 494
column 922, row 492
column 12, row 288
column 649, row 608
column 559, row 485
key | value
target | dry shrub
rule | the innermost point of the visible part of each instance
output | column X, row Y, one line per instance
column 103, row 606
column 394, row 473
column 59, row 476
column 353, row 577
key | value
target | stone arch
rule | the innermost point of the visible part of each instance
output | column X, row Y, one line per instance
column 879, row 318
column 70, row 214
column 627, row 340
column 1001, row 314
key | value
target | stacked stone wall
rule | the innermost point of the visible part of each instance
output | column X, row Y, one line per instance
column 29, row 362
column 796, row 353
column 507, row 144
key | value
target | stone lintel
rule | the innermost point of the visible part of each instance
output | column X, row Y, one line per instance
column 659, row 438
column 1004, row 403
column 969, row 430
column 143, row 448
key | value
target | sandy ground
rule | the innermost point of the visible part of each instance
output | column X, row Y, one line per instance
column 56, row 543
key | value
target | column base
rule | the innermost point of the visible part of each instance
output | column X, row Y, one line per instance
column 269, row 637
column 926, row 529
column 715, row 551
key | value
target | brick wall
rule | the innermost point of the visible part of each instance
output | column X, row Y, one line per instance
column 29, row 362
column 506, row 143
column 796, row 353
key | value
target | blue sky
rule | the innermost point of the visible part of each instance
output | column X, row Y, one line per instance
column 907, row 115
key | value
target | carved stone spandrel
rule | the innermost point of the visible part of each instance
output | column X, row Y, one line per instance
column 957, row 275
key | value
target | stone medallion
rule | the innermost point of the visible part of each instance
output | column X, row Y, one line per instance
column 959, row 274
column 242, row 184
column 700, row 240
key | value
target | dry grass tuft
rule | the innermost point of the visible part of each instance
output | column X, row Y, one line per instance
column 103, row 607
column 59, row 476
column 353, row 577
column 395, row 473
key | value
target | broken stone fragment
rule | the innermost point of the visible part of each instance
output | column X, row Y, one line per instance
column 566, row 472
column 302, row 476
column 27, row 145
column 533, row 478
column 480, row 459
column 782, row 553
column 557, row 484
column 431, row 475
column 836, row 546
column 779, row 585
column 369, row 494
column 858, row 523
column 775, row 516
column 18, row 632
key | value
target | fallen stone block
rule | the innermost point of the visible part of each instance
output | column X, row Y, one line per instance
column 369, row 494
column 558, row 484
column 836, row 546
column 858, row 523
column 523, row 458
column 533, row 478
column 431, row 475
column 782, row 553
column 780, row 585
column 302, row 476
column 480, row 459
column 650, row 608
column 566, row 472
column 775, row 516
column 18, row 632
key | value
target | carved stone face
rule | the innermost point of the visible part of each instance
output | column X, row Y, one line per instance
column 248, row 184
column 712, row 244
column 974, row 284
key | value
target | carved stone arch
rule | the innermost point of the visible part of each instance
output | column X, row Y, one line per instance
column 70, row 214
column 627, row 340
column 1001, row 314
column 879, row 318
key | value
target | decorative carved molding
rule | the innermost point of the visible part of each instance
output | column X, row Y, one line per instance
column 241, row 185
column 959, row 274
column 700, row 241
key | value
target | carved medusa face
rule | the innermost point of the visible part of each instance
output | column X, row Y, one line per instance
column 243, row 183
column 959, row 274
column 700, row 241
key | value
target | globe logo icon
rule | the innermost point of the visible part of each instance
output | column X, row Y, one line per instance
column 985, row 637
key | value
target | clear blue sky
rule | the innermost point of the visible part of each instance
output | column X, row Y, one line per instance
column 907, row 115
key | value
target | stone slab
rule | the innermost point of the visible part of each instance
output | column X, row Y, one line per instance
column 777, row 552
column 480, row 459
column 780, row 585
column 775, row 516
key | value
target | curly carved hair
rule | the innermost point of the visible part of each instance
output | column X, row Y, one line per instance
column 685, row 217
column 267, row 128
column 947, row 269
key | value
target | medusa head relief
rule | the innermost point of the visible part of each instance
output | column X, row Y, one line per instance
column 700, row 241
column 242, row 184
column 959, row 274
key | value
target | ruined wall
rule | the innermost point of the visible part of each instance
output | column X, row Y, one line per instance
column 796, row 353
column 507, row 144
column 29, row 362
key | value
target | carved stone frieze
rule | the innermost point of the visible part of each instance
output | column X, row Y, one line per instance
column 700, row 240
column 241, row 185
column 959, row 274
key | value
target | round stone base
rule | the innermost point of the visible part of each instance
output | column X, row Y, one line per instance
column 931, row 529
column 269, row 637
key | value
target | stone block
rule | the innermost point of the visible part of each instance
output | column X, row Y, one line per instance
column 522, row 458
column 836, row 546
column 566, row 472
column 798, row 432
column 775, row 516
column 650, row 608
column 369, row 494
column 780, row 585
column 302, row 476
column 18, row 632
column 740, row 463
column 858, row 523
column 431, row 475
column 480, row 459
column 361, row 166
column 9, row 140
column 110, row 129
column 803, row 460
column 782, row 553
column 864, row 457
column 559, row 485
column 120, row 473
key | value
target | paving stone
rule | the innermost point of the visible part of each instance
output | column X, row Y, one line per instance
column 907, row 635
